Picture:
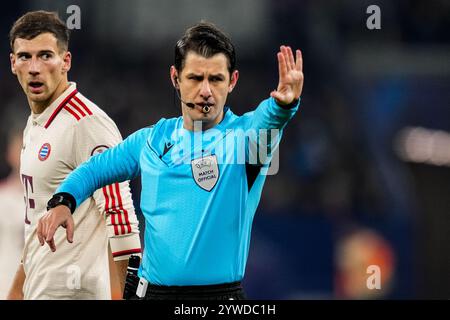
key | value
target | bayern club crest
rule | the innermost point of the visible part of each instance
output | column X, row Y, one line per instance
column 44, row 151
column 205, row 172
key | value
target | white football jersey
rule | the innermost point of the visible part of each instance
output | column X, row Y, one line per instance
column 55, row 142
column 11, row 230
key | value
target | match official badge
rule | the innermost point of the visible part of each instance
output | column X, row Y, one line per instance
column 205, row 172
column 44, row 152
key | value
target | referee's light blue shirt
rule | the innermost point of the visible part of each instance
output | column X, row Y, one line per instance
column 199, row 192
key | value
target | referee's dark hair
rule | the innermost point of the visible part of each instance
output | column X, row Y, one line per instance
column 34, row 23
column 207, row 40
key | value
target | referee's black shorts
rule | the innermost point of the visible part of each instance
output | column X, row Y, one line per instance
column 226, row 291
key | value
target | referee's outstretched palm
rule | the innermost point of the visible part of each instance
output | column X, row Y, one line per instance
column 290, row 83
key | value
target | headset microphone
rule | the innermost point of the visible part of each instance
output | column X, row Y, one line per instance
column 206, row 108
column 189, row 104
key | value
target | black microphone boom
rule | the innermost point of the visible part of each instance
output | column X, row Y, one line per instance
column 189, row 104
column 206, row 107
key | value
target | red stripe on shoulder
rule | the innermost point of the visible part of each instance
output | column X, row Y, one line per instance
column 72, row 112
column 77, row 108
column 83, row 105
column 59, row 108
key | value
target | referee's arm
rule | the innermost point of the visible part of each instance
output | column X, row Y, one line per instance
column 114, row 165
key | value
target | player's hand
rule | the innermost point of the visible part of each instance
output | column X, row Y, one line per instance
column 51, row 221
column 290, row 83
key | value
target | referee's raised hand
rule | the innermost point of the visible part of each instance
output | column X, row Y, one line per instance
column 51, row 221
column 290, row 83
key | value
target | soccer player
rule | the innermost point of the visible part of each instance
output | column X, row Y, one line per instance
column 198, row 203
column 11, row 213
column 64, row 130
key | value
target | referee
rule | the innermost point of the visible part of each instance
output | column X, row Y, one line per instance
column 199, row 196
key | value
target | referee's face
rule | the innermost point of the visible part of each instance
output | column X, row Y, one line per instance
column 204, row 81
column 41, row 68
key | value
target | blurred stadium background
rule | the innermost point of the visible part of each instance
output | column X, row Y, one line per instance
column 364, row 176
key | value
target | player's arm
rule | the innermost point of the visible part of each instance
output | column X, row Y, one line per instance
column 16, row 290
column 116, row 164
column 122, row 228
column 117, row 275
column 113, row 201
column 120, row 267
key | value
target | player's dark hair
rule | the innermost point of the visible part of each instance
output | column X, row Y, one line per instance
column 34, row 23
column 207, row 40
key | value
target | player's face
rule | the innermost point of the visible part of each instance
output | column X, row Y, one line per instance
column 41, row 68
column 205, row 80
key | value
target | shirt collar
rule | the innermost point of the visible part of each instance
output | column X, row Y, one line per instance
column 45, row 118
column 226, row 117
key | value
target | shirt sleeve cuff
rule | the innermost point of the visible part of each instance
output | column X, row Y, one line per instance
column 290, row 106
column 124, row 246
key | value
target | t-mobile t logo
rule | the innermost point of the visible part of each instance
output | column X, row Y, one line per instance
column 29, row 203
